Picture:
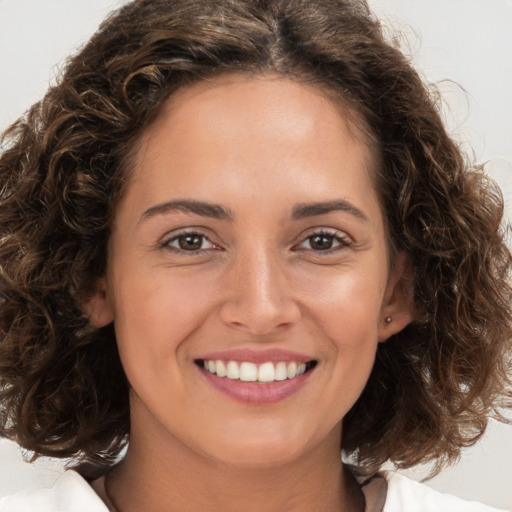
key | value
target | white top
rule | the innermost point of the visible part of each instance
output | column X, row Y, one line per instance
column 385, row 492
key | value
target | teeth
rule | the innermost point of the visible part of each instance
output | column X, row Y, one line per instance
column 248, row 372
column 251, row 372
column 220, row 368
column 291, row 371
column 281, row 371
column 266, row 372
column 233, row 371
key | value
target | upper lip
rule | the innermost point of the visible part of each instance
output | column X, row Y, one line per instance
column 274, row 355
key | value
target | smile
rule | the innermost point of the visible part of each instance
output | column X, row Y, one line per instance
column 246, row 371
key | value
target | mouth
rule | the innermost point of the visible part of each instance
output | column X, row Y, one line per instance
column 247, row 371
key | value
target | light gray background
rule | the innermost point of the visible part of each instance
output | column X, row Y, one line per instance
column 464, row 41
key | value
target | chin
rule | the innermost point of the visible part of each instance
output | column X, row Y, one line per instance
column 263, row 449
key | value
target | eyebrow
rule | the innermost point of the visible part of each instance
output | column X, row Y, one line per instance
column 215, row 211
column 302, row 211
column 202, row 208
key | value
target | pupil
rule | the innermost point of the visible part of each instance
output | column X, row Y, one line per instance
column 321, row 242
column 190, row 242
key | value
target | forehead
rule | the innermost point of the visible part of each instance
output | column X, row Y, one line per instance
column 252, row 136
column 280, row 107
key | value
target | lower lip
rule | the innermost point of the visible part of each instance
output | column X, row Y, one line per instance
column 257, row 393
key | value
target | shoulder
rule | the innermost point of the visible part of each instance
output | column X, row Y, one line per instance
column 70, row 493
column 406, row 495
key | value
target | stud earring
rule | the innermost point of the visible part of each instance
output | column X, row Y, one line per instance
column 388, row 320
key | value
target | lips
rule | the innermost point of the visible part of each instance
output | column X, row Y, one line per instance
column 257, row 377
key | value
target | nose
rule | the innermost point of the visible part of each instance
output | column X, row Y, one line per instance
column 259, row 297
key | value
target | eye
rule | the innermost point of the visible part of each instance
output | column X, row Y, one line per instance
column 189, row 242
column 325, row 241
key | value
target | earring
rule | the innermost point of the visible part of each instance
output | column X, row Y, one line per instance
column 388, row 320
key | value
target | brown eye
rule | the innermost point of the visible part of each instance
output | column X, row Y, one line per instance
column 321, row 242
column 192, row 242
column 325, row 242
column 189, row 242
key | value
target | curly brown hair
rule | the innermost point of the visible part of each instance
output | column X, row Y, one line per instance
column 64, row 165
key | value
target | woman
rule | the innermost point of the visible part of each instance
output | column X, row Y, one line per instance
column 237, row 236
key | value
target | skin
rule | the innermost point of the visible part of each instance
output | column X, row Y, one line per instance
column 258, row 147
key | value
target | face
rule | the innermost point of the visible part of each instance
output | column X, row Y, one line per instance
column 249, row 278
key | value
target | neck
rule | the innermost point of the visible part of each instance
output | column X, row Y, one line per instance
column 165, row 475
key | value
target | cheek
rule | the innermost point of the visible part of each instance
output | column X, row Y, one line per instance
column 347, row 311
column 347, row 301
column 154, row 314
column 154, row 318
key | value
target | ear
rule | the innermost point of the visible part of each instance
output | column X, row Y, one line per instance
column 97, row 306
column 398, row 305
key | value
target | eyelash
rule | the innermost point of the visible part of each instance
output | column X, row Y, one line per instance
column 166, row 244
column 336, row 236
